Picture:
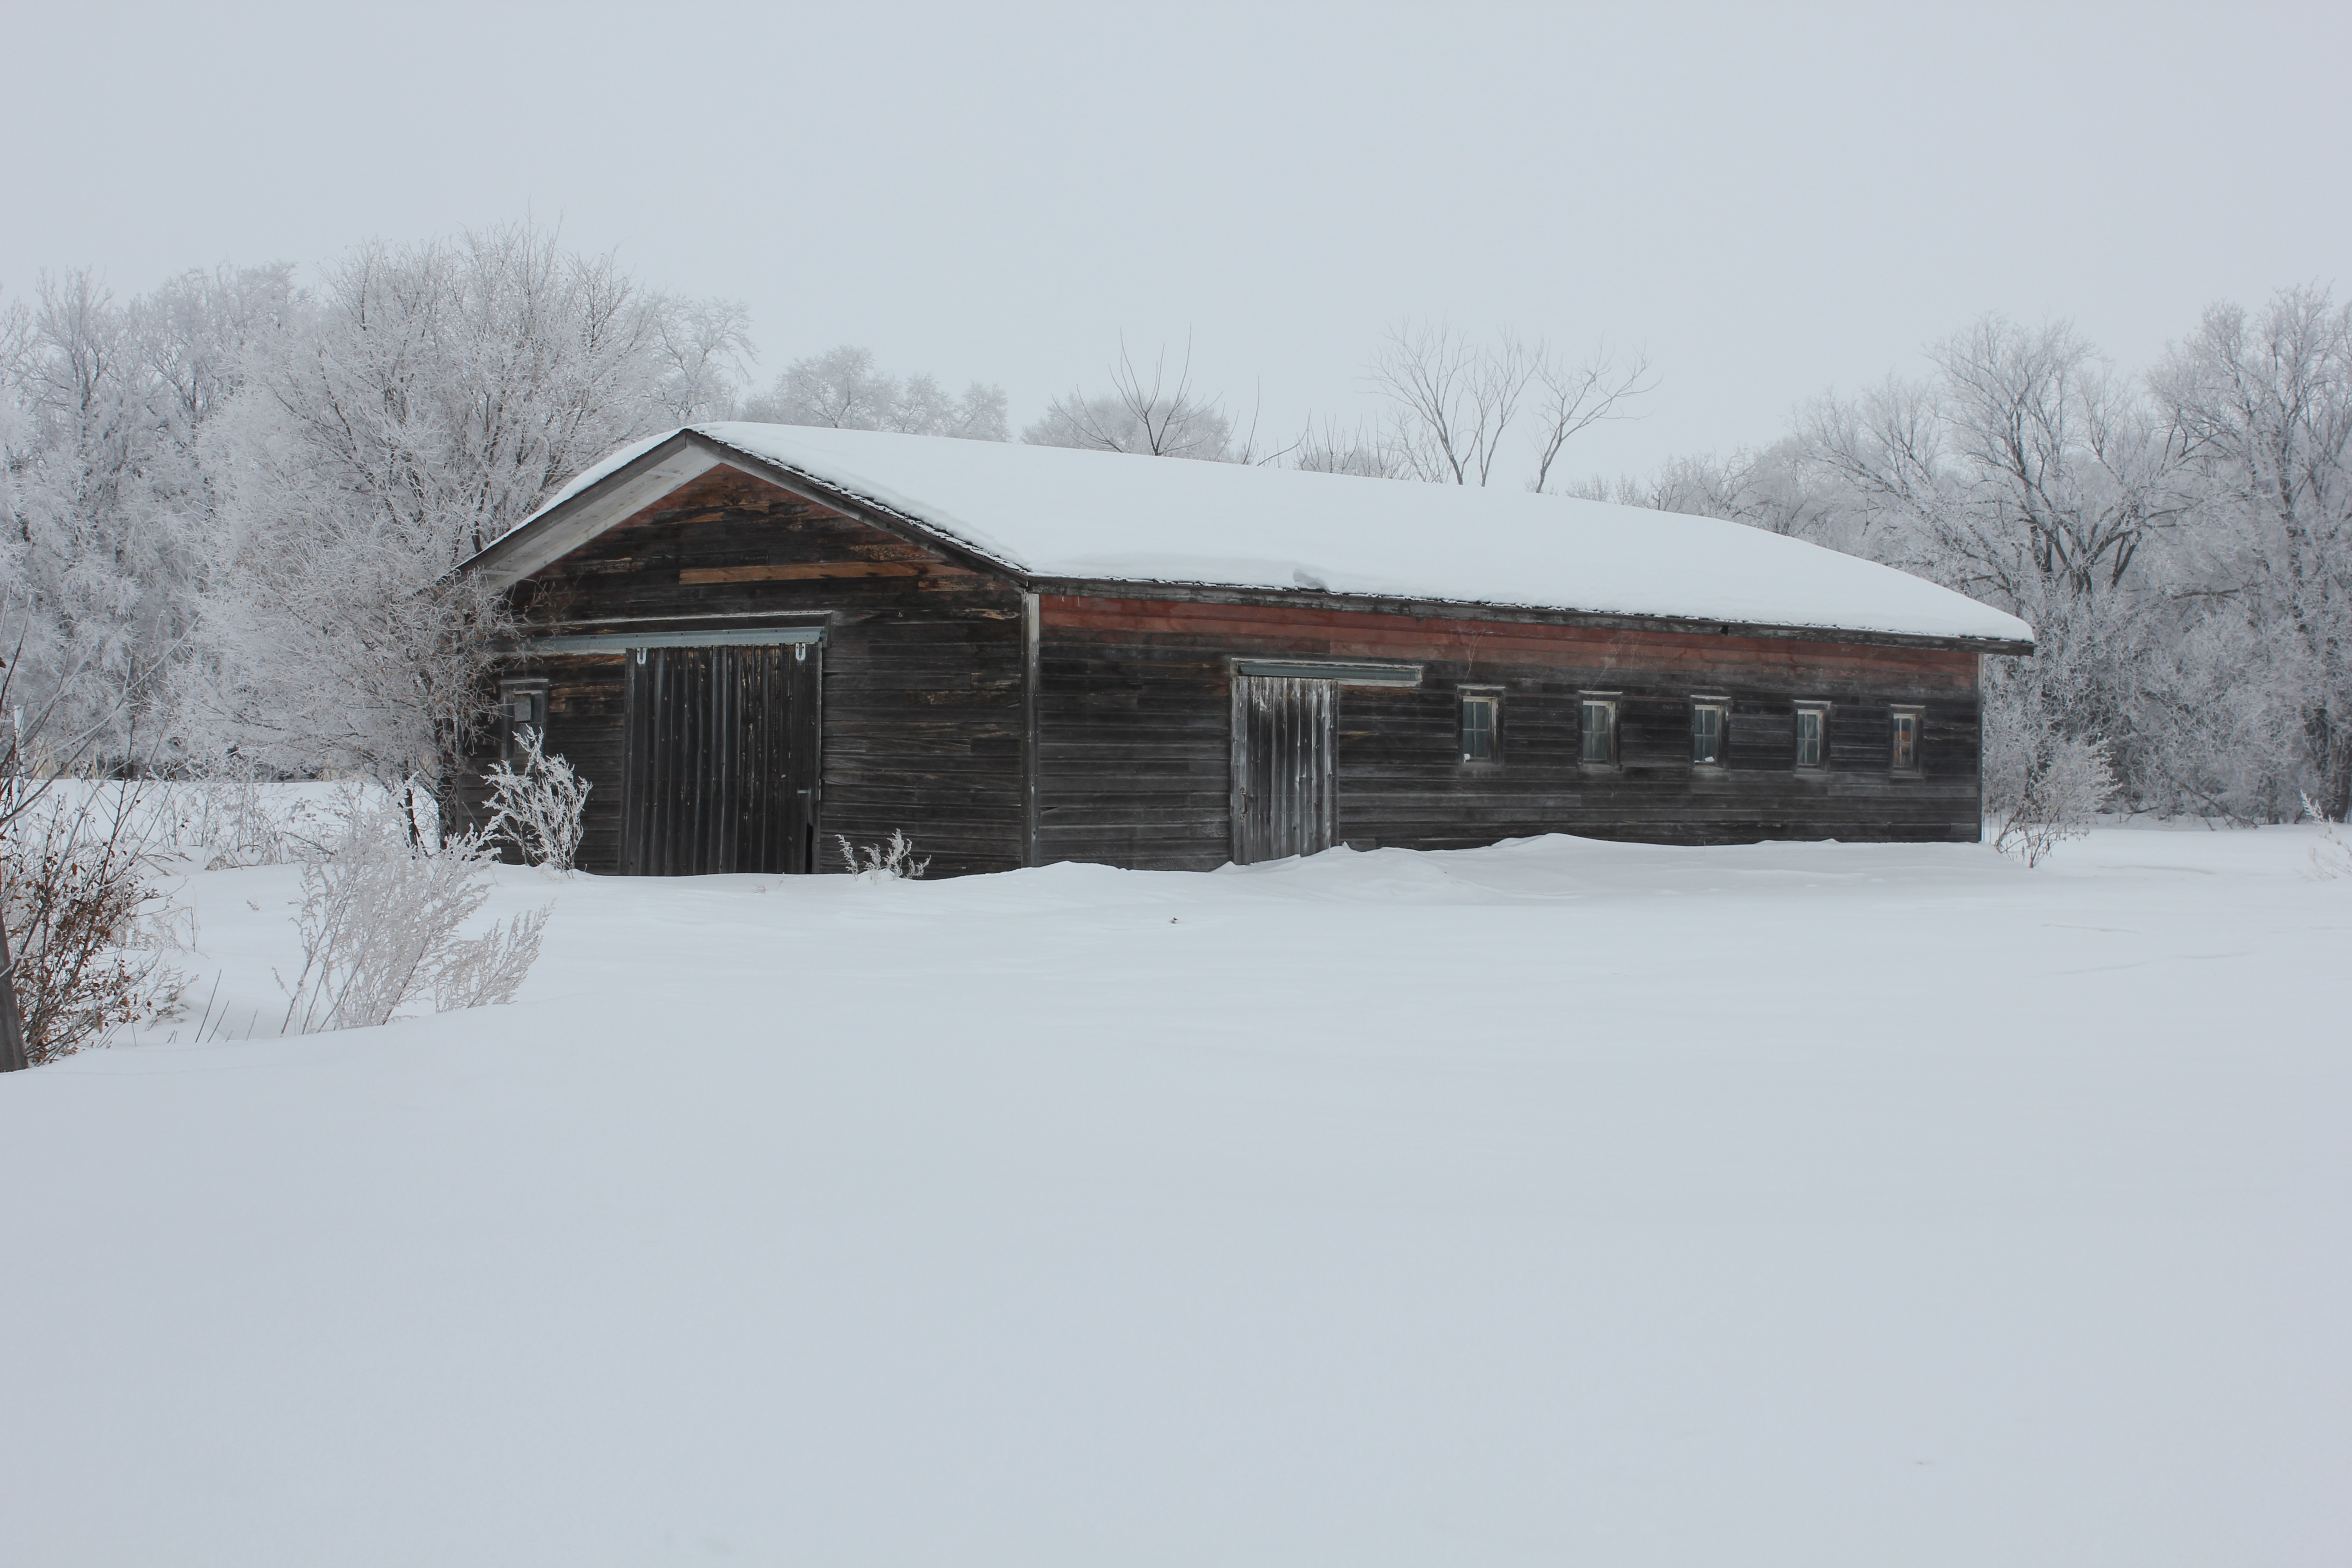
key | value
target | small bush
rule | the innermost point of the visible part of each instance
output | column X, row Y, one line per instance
column 380, row 920
column 538, row 807
column 2041, row 785
column 2330, row 858
column 85, row 923
column 885, row 862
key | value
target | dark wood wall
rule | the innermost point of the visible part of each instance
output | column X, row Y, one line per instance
column 922, row 676
column 1135, row 732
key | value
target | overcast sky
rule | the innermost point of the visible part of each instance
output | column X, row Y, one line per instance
column 1770, row 201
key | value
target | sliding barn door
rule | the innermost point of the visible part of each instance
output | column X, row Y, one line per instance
column 1284, row 800
column 721, row 767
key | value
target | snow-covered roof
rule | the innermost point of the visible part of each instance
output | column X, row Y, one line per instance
column 1049, row 513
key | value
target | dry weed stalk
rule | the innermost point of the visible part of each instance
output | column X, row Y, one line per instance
column 891, row 861
column 2330, row 858
column 379, row 922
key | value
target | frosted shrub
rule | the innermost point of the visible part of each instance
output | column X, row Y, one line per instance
column 380, row 921
column 886, row 862
column 2330, row 858
column 538, row 807
column 2042, row 787
column 488, row 970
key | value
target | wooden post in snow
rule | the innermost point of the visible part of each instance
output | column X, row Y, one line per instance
column 12, row 1022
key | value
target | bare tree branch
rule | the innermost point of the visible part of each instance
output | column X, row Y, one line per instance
column 1150, row 416
column 1454, row 402
column 1576, row 397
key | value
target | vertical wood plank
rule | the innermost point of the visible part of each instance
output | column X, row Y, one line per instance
column 1285, row 796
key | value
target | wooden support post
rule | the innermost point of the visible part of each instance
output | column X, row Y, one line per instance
column 1030, row 630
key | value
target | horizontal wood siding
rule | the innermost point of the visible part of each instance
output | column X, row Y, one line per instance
column 1134, row 733
column 923, row 664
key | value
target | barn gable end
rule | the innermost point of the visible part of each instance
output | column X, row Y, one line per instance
column 922, row 659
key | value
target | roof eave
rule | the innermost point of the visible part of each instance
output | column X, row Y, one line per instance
column 1550, row 615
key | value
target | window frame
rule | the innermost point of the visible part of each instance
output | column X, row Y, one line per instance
column 1820, row 764
column 1897, row 712
column 1492, row 697
column 1721, row 708
column 1608, row 702
column 532, row 688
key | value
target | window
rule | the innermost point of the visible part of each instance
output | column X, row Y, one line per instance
column 1479, row 712
column 1597, row 723
column 521, row 704
column 1707, row 732
column 1905, row 755
column 1812, row 736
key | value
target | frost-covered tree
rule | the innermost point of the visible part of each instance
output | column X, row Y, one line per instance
column 446, row 387
column 429, row 397
column 1157, row 415
column 1775, row 488
column 232, row 503
column 2022, row 468
column 2025, row 474
column 2263, row 402
column 105, row 409
column 841, row 388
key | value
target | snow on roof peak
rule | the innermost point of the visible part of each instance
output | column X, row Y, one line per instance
column 1054, row 513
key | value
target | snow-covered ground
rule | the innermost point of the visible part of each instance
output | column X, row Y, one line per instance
column 1558, row 1202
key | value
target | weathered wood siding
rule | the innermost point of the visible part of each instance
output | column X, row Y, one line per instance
column 922, row 717
column 1134, row 730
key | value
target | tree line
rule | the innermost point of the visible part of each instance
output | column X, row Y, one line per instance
column 232, row 502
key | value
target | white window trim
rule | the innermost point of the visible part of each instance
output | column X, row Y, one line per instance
column 1917, row 765
column 1721, row 707
column 1608, row 699
column 1492, row 697
column 1808, row 706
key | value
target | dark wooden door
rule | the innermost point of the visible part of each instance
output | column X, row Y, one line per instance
column 721, row 767
column 1284, row 799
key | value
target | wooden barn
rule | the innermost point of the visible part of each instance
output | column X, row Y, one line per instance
column 757, row 640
